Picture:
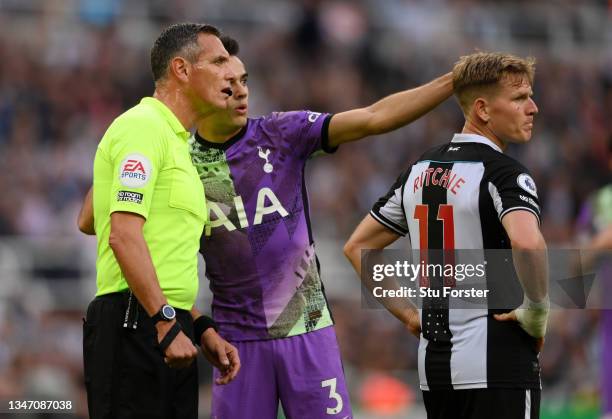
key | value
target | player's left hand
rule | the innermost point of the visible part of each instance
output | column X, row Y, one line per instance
column 506, row 317
column 221, row 354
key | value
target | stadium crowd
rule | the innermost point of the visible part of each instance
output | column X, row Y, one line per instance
column 68, row 68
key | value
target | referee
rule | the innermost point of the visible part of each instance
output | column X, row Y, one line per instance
column 149, row 213
column 467, row 194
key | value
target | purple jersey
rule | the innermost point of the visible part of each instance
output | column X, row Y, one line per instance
column 258, row 248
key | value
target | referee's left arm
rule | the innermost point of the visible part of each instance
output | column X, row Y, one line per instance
column 85, row 221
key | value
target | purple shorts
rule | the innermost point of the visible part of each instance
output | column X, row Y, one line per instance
column 304, row 372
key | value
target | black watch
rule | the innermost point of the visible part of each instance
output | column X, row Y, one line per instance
column 166, row 313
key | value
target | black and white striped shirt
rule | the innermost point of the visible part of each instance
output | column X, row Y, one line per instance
column 454, row 197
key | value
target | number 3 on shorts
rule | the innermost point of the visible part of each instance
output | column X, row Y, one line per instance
column 331, row 383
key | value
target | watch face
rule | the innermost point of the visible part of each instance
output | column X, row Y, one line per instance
column 168, row 312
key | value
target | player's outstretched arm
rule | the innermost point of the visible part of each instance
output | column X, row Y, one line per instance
column 85, row 221
column 219, row 352
column 370, row 234
column 531, row 263
column 389, row 113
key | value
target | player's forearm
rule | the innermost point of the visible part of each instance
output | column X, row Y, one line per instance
column 387, row 114
column 601, row 243
column 401, row 108
column 85, row 220
column 369, row 234
column 400, row 308
column 133, row 256
column 372, row 235
column 528, row 252
column 531, row 264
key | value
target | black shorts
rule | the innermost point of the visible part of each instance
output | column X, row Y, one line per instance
column 485, row 403
column 125, row 374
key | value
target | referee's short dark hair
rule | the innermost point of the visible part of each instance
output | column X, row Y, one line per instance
column 178, row 39
column 231, row 45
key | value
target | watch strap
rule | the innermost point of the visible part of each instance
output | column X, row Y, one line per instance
column 159, row 316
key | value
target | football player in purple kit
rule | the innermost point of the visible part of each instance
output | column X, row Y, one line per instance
column 268, row 299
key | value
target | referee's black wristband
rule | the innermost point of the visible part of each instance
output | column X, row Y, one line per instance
column 200, row 325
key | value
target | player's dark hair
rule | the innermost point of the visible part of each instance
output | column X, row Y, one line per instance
column 178, row 39
column 231, row 45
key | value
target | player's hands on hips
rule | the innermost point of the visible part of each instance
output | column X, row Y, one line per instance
column 511, row 317
column 181, row 352
column 220, row 353
column 413, row 322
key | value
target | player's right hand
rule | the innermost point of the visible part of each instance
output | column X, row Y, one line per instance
column 181, row 352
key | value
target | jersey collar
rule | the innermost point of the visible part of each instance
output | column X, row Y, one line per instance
column 225, row 145
column 475, row 138
column 168, row 116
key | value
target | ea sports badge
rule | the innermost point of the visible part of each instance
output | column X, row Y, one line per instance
column 135, row 171
column 526, row 183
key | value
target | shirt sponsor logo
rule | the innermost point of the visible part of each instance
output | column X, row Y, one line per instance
column 526, row 183
column 127, row 196
column 267, row 204
column 135, row 171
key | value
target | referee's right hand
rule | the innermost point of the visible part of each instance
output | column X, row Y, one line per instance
column 181, row 352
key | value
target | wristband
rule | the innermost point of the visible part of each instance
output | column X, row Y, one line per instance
column 533, row 316
column 170, row 336
column 200, row 325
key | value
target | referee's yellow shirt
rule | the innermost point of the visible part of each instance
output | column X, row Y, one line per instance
column 143, row 166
